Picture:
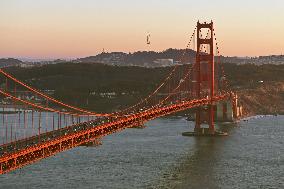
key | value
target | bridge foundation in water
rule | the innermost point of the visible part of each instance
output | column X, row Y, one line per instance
column 227, row 111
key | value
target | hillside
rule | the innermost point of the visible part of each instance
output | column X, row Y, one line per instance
column 267, row 98
column 5, row 62
column 106, row 88
column 73, row 83
column 141, row 58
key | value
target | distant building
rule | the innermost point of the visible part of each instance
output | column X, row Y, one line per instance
column 164, row 62
column 26, row 65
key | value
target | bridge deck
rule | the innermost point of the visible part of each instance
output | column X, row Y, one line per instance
column 47, row 136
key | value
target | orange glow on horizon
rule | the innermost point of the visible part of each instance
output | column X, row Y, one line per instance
column 46, row 30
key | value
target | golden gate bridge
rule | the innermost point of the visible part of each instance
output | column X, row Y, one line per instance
column 32, row 130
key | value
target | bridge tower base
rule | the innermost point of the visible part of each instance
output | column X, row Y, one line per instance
column 204, row 133
column 205, row 117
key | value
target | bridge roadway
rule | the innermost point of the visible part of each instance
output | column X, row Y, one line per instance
column 26, row 151
column 47, row 136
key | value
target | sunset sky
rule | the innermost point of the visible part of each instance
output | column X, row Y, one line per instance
column 79, row 28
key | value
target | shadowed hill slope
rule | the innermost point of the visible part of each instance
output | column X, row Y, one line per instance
column 106, row 88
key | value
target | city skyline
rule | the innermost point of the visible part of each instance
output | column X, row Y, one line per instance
column 71, row 29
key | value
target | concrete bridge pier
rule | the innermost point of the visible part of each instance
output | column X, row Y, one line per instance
column 228, row 111
column 224, row 112
column 206, row 117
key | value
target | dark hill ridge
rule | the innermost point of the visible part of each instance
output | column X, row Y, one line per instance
column 105, row 88
column 149, row 58
column 141, row 58
column 73, row 83
column 5, row 62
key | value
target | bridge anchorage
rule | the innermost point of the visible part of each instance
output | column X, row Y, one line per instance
column 206, row 85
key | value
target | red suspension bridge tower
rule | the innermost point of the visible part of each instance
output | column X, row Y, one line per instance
column 204, row 78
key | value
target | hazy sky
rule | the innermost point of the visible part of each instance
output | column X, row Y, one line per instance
column 78, row 28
